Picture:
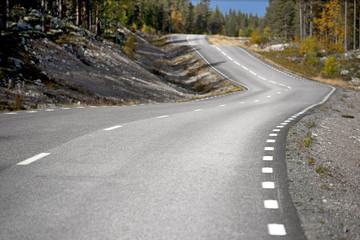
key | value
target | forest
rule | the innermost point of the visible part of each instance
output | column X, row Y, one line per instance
column 333, row 23
column 161, row 16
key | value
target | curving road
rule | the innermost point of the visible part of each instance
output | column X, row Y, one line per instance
column 207, row 169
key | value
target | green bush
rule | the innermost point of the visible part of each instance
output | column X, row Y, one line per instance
column 331, row 66
column 309, row 46
column 130, row 46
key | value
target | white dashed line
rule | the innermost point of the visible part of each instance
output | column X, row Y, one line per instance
column 276, row 130
column 230, row 59
column 49, row 110
column 278, row 92
column 268, row 158
column 253, row 73
column 112, row 128
column 284, row 123
column 165, row 116
column 244, row 67
column 267, row 170
column 268, row 185
column 197, row 110
column 269, row 148
column 271, row 204
column 276, row 229
column 269, row 96
column 11, row 113
column 279, row 126
column 31, row 111
column 223, row 105
column 33, row 159
column 256, row 100
column 273, row 134
column 270, row 140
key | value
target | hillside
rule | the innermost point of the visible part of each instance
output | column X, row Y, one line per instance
column 69, row 65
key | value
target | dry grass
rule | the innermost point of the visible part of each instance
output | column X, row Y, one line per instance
column 223, row 40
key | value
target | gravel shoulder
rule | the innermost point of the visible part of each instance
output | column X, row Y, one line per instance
column 323, row 163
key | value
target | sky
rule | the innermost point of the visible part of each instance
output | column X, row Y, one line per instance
column 245, row 6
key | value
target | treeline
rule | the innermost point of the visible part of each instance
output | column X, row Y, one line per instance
column 333, row 23
column 160, row 16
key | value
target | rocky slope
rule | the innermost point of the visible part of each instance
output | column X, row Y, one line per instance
column 69, row 65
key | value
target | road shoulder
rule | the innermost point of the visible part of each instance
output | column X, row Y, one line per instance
column 323, row 166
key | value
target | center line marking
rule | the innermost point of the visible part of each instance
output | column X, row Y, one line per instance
column 271, row 204
column 165, row 116
column 267, row 170
column 197, row 110
column 112, row 128
column 269, row 148
column 268, row 158
column 270, row 140
column 33, row 159
column 268, row 185
column 276, row 229
column 269, row 96
column 223, row 105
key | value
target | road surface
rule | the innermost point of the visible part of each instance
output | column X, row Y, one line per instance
column 207, row 169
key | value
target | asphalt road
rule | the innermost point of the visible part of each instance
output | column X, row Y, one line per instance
column 206, row 169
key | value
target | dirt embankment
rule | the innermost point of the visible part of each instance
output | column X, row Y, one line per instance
column 69, row 65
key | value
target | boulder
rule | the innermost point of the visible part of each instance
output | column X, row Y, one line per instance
column 22, row 26
column 35, row 13
column 17, row 63
column 344, row 72
column 56, row 23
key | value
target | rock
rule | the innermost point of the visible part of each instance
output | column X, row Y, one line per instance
column 323, row 59
column 38, row 28
column 17, row 64
column 277, row 47
column 358, row 57
column 55, row 23
column 22, row 26
column 69, row 48
column 344, row 72
column 35, row 13
column 38, row 82
column 47, row 58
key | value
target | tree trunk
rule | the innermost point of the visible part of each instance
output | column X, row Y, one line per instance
column 79, row 11
column 60, row 9
column 88, row 12
column 6, row 14
column 354, row 40
column 43, row 16
column 346, row 23
column 97, row 24
column 301, row 19
column 311, row 19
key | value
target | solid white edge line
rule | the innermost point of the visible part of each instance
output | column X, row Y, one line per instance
column 112, row 128
column 271, row 204
column 276, row 229
column 33, row 159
